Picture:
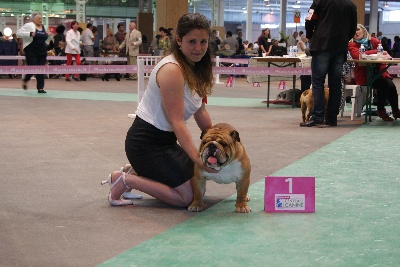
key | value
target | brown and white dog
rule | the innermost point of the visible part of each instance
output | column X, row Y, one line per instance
column 222, row 150
column 307, row 102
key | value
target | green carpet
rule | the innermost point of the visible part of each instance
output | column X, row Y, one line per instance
column 355, row 223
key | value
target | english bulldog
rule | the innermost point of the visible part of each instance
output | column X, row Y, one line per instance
column 222, row 150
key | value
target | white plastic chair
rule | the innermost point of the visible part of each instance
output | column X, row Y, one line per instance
column 358, row 95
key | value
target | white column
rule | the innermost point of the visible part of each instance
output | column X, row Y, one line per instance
column 195, row 6
column 113, row 25
column 2, row 22
column 249, row 21
column 217, row 13
column 20, row 21
column 104, row 27
column 81, row 11
column 221, row 18
column 45, row 18
column 149, row 6
column 141, row 6
column 283, row 16
column 373, row 19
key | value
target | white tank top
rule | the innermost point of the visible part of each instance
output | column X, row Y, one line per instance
column 151, row 108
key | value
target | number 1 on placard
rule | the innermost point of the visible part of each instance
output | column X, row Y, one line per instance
column 289, row 180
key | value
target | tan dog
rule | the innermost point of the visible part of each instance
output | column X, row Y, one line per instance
column 307, row 102
column 222, row 150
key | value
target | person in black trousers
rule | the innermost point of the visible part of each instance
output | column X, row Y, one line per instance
column 330, row 25
column 35, row 40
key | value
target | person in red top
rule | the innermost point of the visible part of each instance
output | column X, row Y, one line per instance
column 384, row 85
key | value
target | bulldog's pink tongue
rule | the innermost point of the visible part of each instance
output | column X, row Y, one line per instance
column 212, row 160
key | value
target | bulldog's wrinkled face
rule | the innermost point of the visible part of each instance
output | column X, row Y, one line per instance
column 218, row 147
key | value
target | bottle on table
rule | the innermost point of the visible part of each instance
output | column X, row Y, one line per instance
column 379, row 51
column 362, row 52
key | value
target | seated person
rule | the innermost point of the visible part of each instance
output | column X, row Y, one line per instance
column 245, row 44
column 276, row 50
column 384, row 85
column 250, row 50
column 225, row 51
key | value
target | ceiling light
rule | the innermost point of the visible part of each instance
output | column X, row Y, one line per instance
column 296, row 6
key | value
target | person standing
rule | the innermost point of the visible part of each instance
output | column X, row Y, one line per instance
column 87, row 40
column 110, row 46
column 35, row 39
column 132, row 42
column 72, row 49
column 330, row 25
column 240, row 42
column 214, row 42
column 159, row 145
column 58, row 37
column 165, row 41
column 264, row 42
column 231, row 41
column 292, row 41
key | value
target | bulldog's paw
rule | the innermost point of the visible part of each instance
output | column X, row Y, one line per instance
column 196, row 207
column 242, row 208
column 247, row 198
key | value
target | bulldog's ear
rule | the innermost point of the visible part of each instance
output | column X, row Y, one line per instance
column 203, row 133
column 235, row 135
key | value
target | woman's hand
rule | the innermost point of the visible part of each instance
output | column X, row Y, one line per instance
column 385, row 53
column 199, row 163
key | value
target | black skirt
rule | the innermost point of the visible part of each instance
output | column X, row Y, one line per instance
column 155, row 154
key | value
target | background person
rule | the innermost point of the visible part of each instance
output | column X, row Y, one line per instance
column 110, row 46
column 57, row 38
column 262, row 41
column 72, row 48
column 164, row 41
column 231, row 41
column 35, row 39
column 133, row 39
column 329, row 27
column 177, row 87
column 302, row 44
column 240, row 42
column 385, row 88
column 88, row 41
column 292, row 40
column 396, row 47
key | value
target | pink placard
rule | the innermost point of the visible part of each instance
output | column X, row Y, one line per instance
column 289, row 194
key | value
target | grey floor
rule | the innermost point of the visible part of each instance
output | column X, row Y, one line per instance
column 57, row 147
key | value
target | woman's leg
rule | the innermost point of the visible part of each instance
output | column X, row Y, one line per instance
column 392, row 95
column 30, row 60
column 381, row 86
column 77, row 62
column 69, row 62
column 180, row 196
column 40, row 77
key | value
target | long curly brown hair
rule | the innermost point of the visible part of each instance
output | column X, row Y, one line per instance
column 198, row 76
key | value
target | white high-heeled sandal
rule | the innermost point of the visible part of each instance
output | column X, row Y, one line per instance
column 128, row 194
column 117, row 202
column 128, row 171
